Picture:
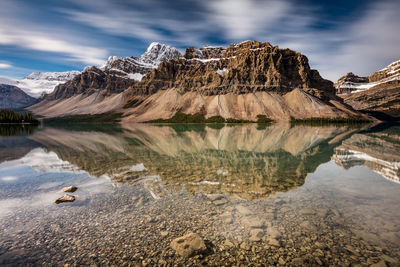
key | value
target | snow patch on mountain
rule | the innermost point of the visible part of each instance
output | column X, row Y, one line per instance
column 135, row 68
column 222, row 72
column 6, row 80
column 135, row 76
column 37, row 83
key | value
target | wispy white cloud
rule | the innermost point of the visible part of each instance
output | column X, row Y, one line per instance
column 5, row 65
column 246, row 18
column 360, row 44
column 148, row 21
column 371, row 43
column 40, row 41
column 19, row 30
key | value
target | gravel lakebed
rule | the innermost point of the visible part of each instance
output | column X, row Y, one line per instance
column 129, row 226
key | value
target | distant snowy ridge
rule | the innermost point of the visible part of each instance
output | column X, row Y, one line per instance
column 350, row 84
column 53, row 76
column 37, row 83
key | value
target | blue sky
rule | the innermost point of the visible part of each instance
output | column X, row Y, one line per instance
column 58, row 35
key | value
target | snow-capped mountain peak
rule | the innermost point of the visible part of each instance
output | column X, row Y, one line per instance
column 135, row 68
column 157, row 52
column 108, row 64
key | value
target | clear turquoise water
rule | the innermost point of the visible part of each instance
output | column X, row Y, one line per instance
column 332, row 193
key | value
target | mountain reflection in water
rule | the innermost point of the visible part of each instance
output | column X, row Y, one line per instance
column 292, row 195
column 242, row 160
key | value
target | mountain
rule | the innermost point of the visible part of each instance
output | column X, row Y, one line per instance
column 377, row 151
column 241, row 81
column 13, row 97
column 100, row 89
column 379, row 92
column 38, row 83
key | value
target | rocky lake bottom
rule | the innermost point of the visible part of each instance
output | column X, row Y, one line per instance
column 238, row 195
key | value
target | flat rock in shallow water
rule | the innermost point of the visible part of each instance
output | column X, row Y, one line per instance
column 65, row 198
column 69, row 189
column 188, row 245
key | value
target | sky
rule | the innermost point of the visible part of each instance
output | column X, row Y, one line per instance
column 360, row 36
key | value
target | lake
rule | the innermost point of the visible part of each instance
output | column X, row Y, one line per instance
column 276, row 195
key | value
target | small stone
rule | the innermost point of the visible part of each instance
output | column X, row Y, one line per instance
column 253, row 222
column 308, row 226
column 318, row 261
column 271, row 261
column 245, row 246
column 379, row 264
column 273, row 242
column 297, row 261
column 188, row 245
column 227, row 217
column 273, row 232
column 256, row 235
column 307, row 212
column 220, row 202
column 214, row 197
column 69, row 189
column 389, row 259
column 65, row 198
column 281, row 261
column 164, row 233
column 228, row 244
column 243, row 210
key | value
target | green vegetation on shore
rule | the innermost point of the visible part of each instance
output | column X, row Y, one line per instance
column 338, row 120
column 9, row 116
column 180, row 117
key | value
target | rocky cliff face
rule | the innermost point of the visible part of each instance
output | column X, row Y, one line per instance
column 240, row 68
column 13, row 97
column 117, row 74
column 379, row 92
column 99, row 86
column 241, row 81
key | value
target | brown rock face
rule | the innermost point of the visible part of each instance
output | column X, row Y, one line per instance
column 241, row 81
column 379, row 92
column 240, row 68
column 90, row 81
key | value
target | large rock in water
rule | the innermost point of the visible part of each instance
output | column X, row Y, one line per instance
column 188, row 245
column 377, row 93
column 241, row 81
column 13, row 97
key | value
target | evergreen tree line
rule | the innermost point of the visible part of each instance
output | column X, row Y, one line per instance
column 9, row 116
